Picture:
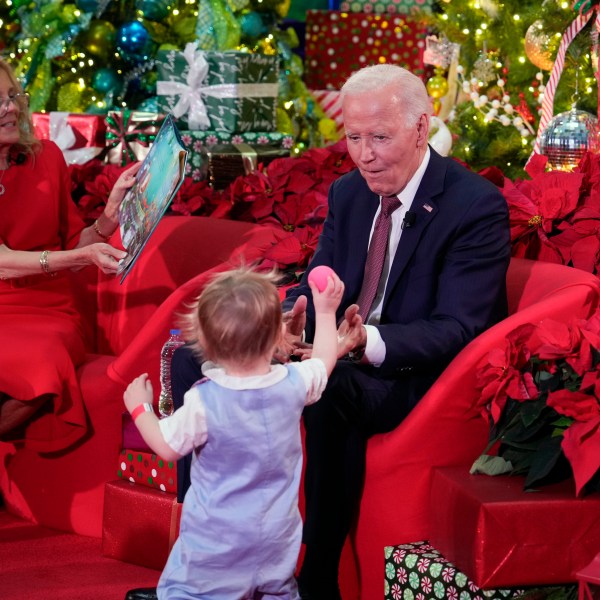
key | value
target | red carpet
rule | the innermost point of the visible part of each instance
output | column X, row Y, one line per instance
column 37, row 563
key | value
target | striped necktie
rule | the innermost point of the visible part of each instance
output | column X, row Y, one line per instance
column 376, row 255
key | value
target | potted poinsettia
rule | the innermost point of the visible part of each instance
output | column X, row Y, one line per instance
column 541, row 395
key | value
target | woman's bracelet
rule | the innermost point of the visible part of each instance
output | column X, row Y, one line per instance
column 141, row 408
column 44, row 263
column 102, row 235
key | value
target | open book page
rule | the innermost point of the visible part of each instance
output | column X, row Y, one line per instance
column 156, row 184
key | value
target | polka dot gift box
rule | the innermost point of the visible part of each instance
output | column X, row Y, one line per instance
column 148, row 469
column 386, row 6
column 419, row 572
column 340, row 43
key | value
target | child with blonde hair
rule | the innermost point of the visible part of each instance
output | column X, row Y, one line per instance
column 240, row 530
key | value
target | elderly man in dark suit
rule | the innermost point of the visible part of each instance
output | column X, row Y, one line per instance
column 422, row 245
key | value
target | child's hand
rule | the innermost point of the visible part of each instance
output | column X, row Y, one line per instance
column 138, row 392
column 329, row 299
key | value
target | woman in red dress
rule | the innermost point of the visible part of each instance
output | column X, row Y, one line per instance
column 41, row 238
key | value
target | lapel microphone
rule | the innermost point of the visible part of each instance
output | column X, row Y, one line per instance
column 409, row 219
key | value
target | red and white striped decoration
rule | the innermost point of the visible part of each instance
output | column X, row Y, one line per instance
column 330, row 102
column 548, row 102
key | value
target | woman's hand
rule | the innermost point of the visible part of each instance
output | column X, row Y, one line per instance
column 125, row 181
column 105, row 257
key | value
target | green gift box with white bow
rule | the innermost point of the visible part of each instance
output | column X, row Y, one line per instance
column 222, row 91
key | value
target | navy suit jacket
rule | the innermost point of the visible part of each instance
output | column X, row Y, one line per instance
column 447, row 282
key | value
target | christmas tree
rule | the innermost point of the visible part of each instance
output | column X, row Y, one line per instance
column 507, row 51
column 98, row 55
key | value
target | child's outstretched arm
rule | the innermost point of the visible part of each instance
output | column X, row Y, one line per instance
column 137, row 397
column 325, row 343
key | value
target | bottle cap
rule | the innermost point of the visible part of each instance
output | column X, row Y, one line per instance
column 175, row 331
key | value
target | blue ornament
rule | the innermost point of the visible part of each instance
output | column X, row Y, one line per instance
column 87, row 6
column 155, row 10
column 105, row 80
column 134, row 42
column 252, row 24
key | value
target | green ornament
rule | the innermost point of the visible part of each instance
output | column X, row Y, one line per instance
column 105, row 80
column 99, row 39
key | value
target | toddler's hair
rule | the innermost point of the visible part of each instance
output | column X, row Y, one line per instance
column 238, row 316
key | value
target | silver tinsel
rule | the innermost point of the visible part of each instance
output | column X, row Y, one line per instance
column 568, row 136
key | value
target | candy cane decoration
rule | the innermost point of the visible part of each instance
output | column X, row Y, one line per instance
column 548, row 102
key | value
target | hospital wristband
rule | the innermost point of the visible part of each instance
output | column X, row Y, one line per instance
column 141, row 408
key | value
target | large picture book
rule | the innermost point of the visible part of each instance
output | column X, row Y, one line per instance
column 156, row 184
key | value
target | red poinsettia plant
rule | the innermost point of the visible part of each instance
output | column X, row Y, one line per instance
column 289, row 196
column 555, row 215
column 541, row 395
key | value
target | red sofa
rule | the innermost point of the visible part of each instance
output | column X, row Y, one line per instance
column 127, row 325
column 123, row 326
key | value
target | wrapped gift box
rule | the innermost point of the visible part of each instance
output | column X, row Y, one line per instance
column 148, row 469
column 331, row 104
column 130, row 435
column 197, row 142
column 420, row 569
column 501, row 536
column 80, row 137
column 140, row 524
column 226, row 162
column 386, row 6
column 221, row 91
column 340, row 43
column 129, row 135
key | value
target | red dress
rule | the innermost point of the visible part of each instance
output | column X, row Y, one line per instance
column 41, row 339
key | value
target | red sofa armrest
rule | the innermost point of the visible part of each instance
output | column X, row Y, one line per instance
column 446, row 428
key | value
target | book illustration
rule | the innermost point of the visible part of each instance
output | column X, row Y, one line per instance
column 156, row 184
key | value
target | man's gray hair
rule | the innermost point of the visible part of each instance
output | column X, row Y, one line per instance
column 409, row 88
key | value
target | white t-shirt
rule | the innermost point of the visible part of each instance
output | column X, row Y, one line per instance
column 186, row 428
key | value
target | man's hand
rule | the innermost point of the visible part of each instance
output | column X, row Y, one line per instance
column 351, row 333
column 351, row 336
column 295, row 322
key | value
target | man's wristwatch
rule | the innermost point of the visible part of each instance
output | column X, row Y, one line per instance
column 355, row 355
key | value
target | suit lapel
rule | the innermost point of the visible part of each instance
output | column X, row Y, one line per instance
column 425, row 206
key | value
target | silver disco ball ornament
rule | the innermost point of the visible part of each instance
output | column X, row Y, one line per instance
column 568, row 137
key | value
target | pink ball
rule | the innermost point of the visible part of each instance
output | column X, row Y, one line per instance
column 319, row 276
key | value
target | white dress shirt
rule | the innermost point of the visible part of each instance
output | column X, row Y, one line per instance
column 375, row 349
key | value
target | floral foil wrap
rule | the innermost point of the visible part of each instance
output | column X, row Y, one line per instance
column 140, row 524
column 386, row 6
column 226, row 162
column 129, row 135
column 231, row 91
column 198, row 142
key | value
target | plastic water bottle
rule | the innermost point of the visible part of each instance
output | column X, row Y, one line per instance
column 165, row 400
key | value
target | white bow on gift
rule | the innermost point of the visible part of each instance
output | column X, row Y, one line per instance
column 61, row 133
column 191, row 93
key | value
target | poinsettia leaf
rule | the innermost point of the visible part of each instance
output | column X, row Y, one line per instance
column 521, row 461
column 546, row 464
column 531, row 411
column 491, row 465
column 562, row 421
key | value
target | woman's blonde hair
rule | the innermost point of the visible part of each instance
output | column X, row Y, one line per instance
column 28, row 143
column 238, row 316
